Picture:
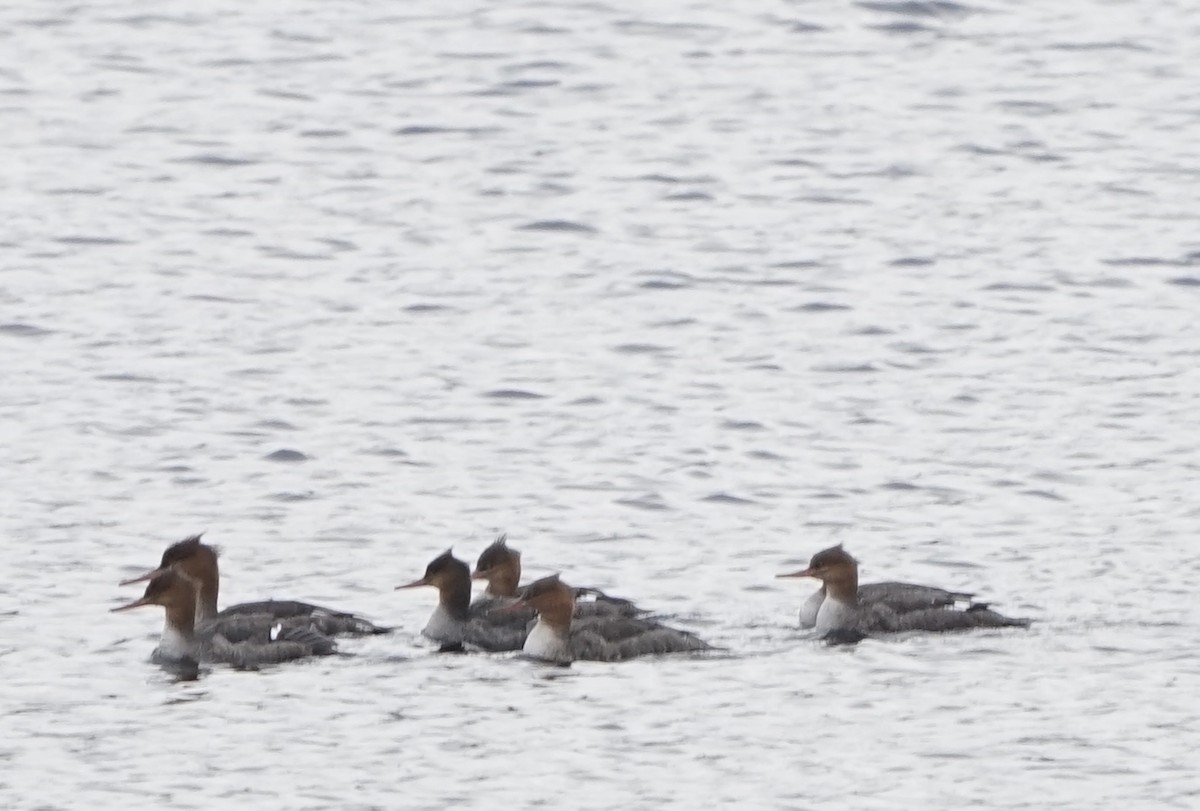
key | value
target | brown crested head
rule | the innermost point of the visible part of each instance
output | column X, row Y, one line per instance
column 444, row 571
column 181, row 551
column 169, row 589
column 832, row 560
column 546, row 594
column 828, row 564
column 500, row 565
column 190, row 556
column 498, row 554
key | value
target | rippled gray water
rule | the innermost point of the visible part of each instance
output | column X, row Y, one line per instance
column 676, row 294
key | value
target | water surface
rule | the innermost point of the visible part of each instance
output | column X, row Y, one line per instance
column 676, row 295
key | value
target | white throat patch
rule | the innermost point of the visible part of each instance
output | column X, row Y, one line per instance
column 545, row 643
column 834, row 615
column 444, row 628
column 173, row 644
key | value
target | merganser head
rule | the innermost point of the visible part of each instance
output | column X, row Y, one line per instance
column 500, row 566
column 827, row 564
column 170, row 589
column 197, row 561
column 193, row 558
column 442, row 572
column 552, row 599
column 835, row 568
column 449, row 575
column 452, row 578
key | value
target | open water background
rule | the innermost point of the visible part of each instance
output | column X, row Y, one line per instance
column 675, row 293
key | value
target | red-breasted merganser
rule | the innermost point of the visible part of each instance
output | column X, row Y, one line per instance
column 500, row 566
column 900, row 597
column 843, row 615
column 559, row 638
column 182, row 642
column 198, row 561
column 453, row 622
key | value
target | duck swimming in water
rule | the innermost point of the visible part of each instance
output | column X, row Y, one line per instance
column 247, row 646
column 561, row 638
column 843, row 615
column 900, row 597
column 198, row 561
column 454, row 622
column 500, row 566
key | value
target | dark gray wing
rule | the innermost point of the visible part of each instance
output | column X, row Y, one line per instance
column 317, row 642
column 487, row 610
column 614, row 629
column 250, row 655
column 602, row 604
column 495, row 638
column 626, row 637
column 905, row 597
column 327, row 620
column 875, row 618
column 588, row 646
column 238, row 628
column 941, row 619
column 262, row 629
column 658, row 641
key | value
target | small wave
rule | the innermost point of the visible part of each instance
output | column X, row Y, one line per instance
column 726, row 498
column 918, row 8
column 639, row 349
column 24, row 330
column 513, row 394
column 286, row 455
column 88, row 240
column 127, row 377
column 649, row 501
column 275, row 425
column 558, row 226
column 851, row 368
column 743, row 425
column 208, row 159
column 292, row 497
column 820, row 307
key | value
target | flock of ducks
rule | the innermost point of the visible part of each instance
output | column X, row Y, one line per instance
column 546, row 620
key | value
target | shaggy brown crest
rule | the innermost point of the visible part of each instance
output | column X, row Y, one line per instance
column 831, row 557
column 179, row 552
column 498, row 554
column 551, row 584
column 553, row 599
column 443, row 572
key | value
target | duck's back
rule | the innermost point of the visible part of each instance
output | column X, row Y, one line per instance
column 604, row 605
column 615, row 639
column 289, row 644
column 264, row 629
column 948, row 619
column 498, row 611
column 495, row 627
column 905, row 597
column 326, row 620
column 495, row 638
column 876, row 618
column 495, row 610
